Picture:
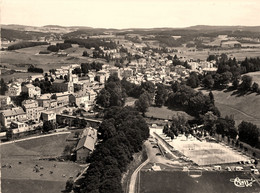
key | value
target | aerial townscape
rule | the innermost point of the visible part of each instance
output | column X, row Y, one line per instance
column 129, row 110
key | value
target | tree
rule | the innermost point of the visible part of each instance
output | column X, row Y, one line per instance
column 211, row 96
column 161, row 95
column 103, row 98
column 248, row 133
column 208, row 81
column 210, row 122
column 69, row 185
column 86, row 54
column 53, row 48
column 193, row 80
column 255, row 87
column 149, row 87
column 143, row 103
column 107, row 129
column 3, row 87
column 246, row 83
column 48, row 126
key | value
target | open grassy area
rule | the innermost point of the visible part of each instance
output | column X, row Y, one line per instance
column 21, row 177
column 181, row 182
column 255, row 76
column 24, row 75
column 165, row 113
column 242, row 107
column 28, row 186
column 18, row 58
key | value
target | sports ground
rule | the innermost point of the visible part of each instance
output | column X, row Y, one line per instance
column 206, row 153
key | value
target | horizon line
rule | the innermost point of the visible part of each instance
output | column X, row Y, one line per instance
column 67, row 26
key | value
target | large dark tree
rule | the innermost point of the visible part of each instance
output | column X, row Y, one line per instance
column 248, row 133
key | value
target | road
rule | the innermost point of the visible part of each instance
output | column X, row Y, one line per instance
column 134, row 175
column 152, row 158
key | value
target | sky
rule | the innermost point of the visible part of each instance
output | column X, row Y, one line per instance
column 130, row 13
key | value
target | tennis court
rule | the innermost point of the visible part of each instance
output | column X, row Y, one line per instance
column 206, row 153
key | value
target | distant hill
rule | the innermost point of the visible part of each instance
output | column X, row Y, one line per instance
column 225, row 28
column 46, row 28
column 193, row 31
column 10, row 34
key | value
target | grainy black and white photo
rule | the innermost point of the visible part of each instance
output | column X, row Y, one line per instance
column 129, row 96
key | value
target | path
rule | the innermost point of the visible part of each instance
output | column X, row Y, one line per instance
column 134, row 175
column 244, row 113
column 35, row 137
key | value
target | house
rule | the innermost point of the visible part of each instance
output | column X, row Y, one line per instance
column 86, row 144
column 62, row 99
column 14, row 114
column 32, row 109
column 127, row 72
column 14, row 89
column 48, row 116
column 102, row 76
column 80, row 99
column 60, row 85
column 33, row 91
column 5, row 100
column 116, row 71
column 47, row 101
column 19, row 127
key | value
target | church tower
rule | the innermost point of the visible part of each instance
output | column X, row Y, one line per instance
column 70, row 83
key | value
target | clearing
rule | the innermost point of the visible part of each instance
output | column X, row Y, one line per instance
column 165, row 113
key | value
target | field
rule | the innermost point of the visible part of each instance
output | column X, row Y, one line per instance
column 20, row 59
column 239, row 54
column 181, row 182
column 242, row 107
column 255, row 76
column 165, row 113
column 22, row 177
column 206, row 153
column 21, row 75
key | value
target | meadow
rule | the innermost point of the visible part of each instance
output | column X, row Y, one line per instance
column 165, row 113
column 53, row 175
column 22, row 58
column 242, row 107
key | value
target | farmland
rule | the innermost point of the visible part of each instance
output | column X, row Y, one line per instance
column 181, row 182
column 20, row 59
column 52, row 175
column 239, row 54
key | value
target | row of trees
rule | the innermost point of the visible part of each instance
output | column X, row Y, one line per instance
column 86, row 67
column 92, row 43
column 21, row 45
column 35, row 69
column 59, row 46
column 229, row 71
column 123, row 132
